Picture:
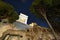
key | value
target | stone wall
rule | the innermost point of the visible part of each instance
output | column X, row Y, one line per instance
column 35, row 32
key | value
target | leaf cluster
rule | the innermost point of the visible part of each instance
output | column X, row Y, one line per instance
column 7, row 11
column 51, row 8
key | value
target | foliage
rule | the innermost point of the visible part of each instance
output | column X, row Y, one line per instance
column 43, row 4
column 7, row 11
column 40, row 4
column 53, row 15
column 49, row 7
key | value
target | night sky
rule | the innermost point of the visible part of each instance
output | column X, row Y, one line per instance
column 22, row 6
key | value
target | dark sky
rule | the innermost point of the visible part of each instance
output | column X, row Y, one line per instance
column 22, row 6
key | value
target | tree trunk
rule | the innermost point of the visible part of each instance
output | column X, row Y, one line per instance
column 44, row 15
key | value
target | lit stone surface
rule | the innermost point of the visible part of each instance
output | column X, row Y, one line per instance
column 23, row 18
column 35, row 32
column 3, row 28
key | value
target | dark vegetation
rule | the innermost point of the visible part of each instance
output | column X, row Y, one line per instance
column 49, row 9
column 7, row 12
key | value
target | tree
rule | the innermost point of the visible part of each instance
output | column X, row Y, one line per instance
column 8, row 12
column 53, row 15
column 40, row 8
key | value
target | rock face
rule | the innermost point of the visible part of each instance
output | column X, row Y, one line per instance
column 4, row 25
column 41, row 33
column 33, row 32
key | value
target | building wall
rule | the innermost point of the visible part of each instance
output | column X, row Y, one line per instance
column 3, row 28
column 34, row 33
column 41, row 32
